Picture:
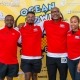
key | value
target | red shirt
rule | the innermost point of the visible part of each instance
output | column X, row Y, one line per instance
column 8, row 45
column 31, row 40
column 73, row 43
column 56, row 33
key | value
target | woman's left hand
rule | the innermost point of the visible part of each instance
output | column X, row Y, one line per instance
column 78, row 67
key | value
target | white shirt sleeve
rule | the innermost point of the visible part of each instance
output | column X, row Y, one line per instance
column 20, row 39
column 17, row 29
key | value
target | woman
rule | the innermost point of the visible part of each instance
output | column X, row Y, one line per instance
column 73, row 44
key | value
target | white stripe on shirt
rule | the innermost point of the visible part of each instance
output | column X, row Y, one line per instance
column 31, row 57
column 56, row 55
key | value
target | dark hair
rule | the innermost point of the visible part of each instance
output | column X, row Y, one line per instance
column 31, row 12
column 9, row 15
column 75, row 17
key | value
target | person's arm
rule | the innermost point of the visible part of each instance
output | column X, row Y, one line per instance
column 19, row 43
column 78, row 66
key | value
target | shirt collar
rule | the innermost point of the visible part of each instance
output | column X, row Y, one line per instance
column 28, row 25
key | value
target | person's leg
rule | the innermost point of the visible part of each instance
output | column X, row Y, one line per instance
column 9, row 78
column 34, row 76
column 72, row 68
column 3, row 71
column 12, row 71
column 28, row 75
column 77, row 74
column 37, row 64
column 51, row 68
column 26, row 67
column 62, row 68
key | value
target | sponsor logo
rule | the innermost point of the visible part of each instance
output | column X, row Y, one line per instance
column 35, row 29
column 13, row 33
column 77, row 37
column 68, row 34
column 62, row 25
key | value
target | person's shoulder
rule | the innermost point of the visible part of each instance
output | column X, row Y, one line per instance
column 37, row 26
column 47, row 21
column 40, row 25
column 65, row 22
column 16, row 30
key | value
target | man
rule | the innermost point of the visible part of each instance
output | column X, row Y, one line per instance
column 8, row 50
column 31, row 47
column 56, row 31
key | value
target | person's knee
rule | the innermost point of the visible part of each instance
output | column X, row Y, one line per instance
column 34, row 76
column 9, row 78
column 27, row 75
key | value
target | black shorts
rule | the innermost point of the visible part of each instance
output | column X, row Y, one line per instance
column 10, row 70
column 33, row 65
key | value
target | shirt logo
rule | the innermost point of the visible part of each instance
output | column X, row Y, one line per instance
column 77, row 37
column 35, row 29
column 68, row 34
column 62, row 25
column 13, row 33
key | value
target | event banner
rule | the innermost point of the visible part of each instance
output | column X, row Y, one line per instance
column 42, row 8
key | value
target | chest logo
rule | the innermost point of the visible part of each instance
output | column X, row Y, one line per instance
column 62, row 25
column 13, row 33
column 35, row 29
column 77, row 37
column 68, row 34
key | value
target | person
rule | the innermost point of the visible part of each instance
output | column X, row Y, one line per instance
column 73, row 45
column 56, row 32
column 8, row 50
column 31, row 47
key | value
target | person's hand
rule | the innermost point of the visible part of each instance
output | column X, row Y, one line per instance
column 78, row 67
column 20, row 25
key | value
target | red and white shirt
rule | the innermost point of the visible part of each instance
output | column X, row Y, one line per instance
column 73, row 45
column 8, row 45
column 31, row 41
column 56, row 33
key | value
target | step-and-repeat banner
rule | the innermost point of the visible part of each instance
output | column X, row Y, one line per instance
column 19, row 9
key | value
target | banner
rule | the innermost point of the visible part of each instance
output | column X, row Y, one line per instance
column 19, row 9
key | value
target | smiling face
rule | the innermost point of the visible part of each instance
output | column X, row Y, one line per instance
column 30, row 18
column 55, row 13
column 74, row 23
column 9, row 21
